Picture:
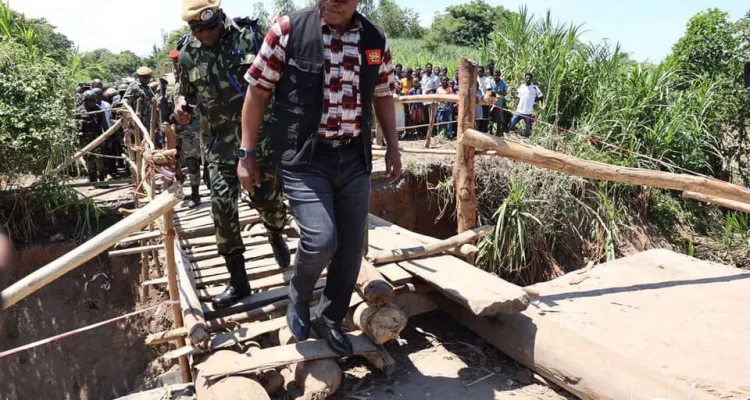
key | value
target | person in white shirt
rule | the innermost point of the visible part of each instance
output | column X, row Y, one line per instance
column 484, row 84
column 430, row 82
column 528, row 94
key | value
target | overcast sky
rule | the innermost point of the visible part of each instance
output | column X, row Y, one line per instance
column 646, row 28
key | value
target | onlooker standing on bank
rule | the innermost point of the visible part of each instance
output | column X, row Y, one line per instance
column 528, row 94
column 327, row 66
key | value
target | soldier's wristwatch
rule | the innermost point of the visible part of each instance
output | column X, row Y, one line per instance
column 245, row 153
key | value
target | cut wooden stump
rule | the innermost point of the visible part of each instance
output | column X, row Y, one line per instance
column 372, row 286
column 381, row 324
column 318, row 379
column 282, row 355
column 231, row 387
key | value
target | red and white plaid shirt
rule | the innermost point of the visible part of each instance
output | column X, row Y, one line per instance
column 342, row 108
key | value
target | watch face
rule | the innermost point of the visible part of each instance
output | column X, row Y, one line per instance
column 241, row 153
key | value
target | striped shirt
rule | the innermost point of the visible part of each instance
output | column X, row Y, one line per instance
column 342, row 107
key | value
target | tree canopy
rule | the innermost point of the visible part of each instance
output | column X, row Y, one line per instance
column 397, row 22
column 466, row 24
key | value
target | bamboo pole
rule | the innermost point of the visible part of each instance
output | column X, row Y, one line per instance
column 192, row 311
column 428, row 98
column 398, row 255
column 570, row 165
column 463, row 168
column 139, row 125
column 734, row 205
column 174, row 294
column 88, row 148
column 90, row 249
column 135, row 250
column 431, row 125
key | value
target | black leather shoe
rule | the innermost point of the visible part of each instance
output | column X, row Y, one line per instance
column 298, row 320
column 231, row 295
column 280, row 249
column 338, row 341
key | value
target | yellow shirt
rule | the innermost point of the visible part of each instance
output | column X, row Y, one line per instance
column 406, row 84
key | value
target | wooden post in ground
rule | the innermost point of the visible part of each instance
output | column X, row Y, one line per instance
column 463, row 167
column 433, row 111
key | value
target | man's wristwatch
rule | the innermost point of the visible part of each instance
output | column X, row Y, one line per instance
column 245, row 153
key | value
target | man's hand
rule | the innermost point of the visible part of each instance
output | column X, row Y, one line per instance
column 181, row 116
column 249, row 173
column 393, row 163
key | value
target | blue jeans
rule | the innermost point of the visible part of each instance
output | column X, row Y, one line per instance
column 330, row 201
column 444, row 115
column 527, row 119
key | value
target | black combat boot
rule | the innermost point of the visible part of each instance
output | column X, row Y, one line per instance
column 334, row 335
column 238, row 287
column 280, row 249
column 195, row 197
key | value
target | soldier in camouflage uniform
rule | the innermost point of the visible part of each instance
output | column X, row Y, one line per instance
column 139, row 90
column 92, row 125
column 211, row 69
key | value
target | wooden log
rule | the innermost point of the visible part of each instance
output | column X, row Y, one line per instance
column 88, row 148
column 569, row 165
column 90, row 249
column 546, row 347
column 381, row 324
column 283, row 355
column 192, row 312
column 137, row 121
column 389, row 256
column 433, row 112
column 318, row 379
column 463, row 167
column 428, row 98
column 438, row 152
column 371, row 285
column 230, row 387
column 733, row 205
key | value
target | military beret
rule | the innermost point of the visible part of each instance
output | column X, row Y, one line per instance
column 199, row 10
column 143, row 71
column 174, row 55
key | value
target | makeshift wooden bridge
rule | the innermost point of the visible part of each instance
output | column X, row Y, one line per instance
column 237, row 350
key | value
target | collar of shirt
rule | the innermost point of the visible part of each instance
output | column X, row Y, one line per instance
column 355, row 26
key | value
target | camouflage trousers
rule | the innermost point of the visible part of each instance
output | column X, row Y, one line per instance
column 225, row 191
column 188, row 147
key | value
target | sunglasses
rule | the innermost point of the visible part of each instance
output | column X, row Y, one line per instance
column 213, row 23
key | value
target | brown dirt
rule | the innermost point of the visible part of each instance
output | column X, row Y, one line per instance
column 102, row 363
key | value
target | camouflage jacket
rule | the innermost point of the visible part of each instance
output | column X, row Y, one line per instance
column 214, row 79
column 135, row 92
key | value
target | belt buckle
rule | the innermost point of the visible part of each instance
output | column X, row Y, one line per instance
column 338, row 143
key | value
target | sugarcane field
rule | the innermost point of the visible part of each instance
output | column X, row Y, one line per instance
column 374, row 200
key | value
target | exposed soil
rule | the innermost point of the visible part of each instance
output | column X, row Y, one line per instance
column 98, row 364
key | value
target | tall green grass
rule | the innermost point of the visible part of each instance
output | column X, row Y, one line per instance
column 414, row 53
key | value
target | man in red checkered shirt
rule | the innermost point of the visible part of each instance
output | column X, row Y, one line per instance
column 328, row 68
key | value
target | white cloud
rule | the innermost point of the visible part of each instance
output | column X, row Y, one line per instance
column 134, row 25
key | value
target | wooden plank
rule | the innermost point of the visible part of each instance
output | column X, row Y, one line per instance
column 211, row 239
column 253, row 301
column 569, row 165
column 273, row 281
column 225, row 340
column 251, row 254
column 284, row 355
column 220, row 274
column 395, row 274
column 261, row 249
column 247, row 241
column 478, row 291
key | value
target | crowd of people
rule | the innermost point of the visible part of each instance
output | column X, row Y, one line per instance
column 495, row 118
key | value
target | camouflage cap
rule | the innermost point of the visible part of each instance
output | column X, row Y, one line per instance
column 89, row 95
column 112, row 91
column 143, row 71
column 199, row 10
